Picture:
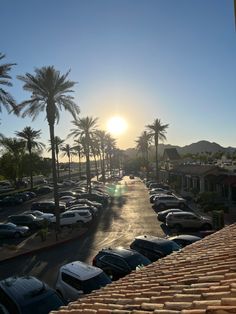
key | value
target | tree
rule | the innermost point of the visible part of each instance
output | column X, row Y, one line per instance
column 5, row 79
column 58, row 144
column 14, row 150
column 68, row 151
column 101, row 139
column 157, row 132
column 110, row 147
column 49, row 92
column 79, row 149
column 85, row 129
column 29, row 136
column 143, row 146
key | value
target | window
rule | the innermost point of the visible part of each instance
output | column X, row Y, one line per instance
column 8, row 303
column 68, row 215
column 72, row 281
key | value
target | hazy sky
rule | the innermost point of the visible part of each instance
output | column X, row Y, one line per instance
column 142, row 59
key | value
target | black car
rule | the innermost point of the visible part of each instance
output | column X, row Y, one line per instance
column 44, row 190
column 97, row 197
column 153, row 247
column 184, row 239
column 119, row 262
column 27, row 220
column 11, row 201
column 28, row 295
column 47, row 206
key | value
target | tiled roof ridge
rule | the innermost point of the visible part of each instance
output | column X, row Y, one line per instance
column 201, row 278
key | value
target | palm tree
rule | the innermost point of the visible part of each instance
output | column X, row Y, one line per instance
column 5, row 79
column 15, row 148
column 29, row 136
column 143, row 146
column 85, row 130
column 68, row 151
column 101, row 139
column 58, row 144
column 157, row 131
column 49, row 92
column 110, row 147
column 78, row 148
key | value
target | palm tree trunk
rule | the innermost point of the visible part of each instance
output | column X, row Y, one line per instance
column 69, row 168
column 156, row 146
column 57, row 162
column 31, row 171
column 79, row 164
column 54, row 176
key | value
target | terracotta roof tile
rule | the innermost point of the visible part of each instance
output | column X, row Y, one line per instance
column 199, row 279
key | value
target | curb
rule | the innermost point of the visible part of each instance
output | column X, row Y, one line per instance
column 43, row 248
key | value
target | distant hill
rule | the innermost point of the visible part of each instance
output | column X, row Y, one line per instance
column 194, row 148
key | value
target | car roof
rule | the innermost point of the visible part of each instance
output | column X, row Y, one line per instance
column 170, row 210
column 19, row 288
column 120, row 251
column 188, row 237
column 77, row 211
column 182, row 213
column 153, row 239
column 81, row 270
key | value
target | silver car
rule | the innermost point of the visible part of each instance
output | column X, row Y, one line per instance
column 186, row 220
column 9, row 230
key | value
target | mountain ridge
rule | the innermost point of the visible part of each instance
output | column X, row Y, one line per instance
column 193, row 148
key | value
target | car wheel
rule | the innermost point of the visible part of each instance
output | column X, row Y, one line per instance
column 17, row 235
column 206, row 226
column 177, row 227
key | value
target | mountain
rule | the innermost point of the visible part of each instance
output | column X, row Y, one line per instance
column 194, row 148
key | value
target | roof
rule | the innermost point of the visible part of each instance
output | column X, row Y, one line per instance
column 171, row 154
column 81, row 270
column 197, row 169
column 199, row 279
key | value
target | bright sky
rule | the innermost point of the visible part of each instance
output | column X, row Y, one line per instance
column 139, row 59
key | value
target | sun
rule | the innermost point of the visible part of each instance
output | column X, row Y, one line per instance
column 116, row 125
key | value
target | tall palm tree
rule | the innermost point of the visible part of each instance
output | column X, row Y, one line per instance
column 49, row 92
column 101, row 139
column 157, row 132
column 85, row 129
column 78, row 148
column 15, row 148
column 68, row 151
column 29, row 136
column 110, row 147
column 143, row 145
column 58, row 144
column 5, row 79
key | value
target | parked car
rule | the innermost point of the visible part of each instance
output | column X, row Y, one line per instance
column 77, row 278
column 67, row 199
column 71, row 217
column 39, row 214
column 47, row 206
column 119, row 262
column 67, row 193
column 184, row 239
column 44, row 190
column 27, row 220
column 186, row 220
column 156, row 195
column 93, row 210
column 97, row 197
column 153, row 247
column 31, row 194
column 169, row 201
column 10, row 230
column 87, row 202
column 158, row 191
column 161, row 216
column 27, row 295
column 11, row 201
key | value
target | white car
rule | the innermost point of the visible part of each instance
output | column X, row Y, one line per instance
column 169, row 201
column 71, row 217
column 67, row 199
column 92, row 209
column 39, row 214
column 77, row 278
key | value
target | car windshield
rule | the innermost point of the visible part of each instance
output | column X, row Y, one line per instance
column 95, row 283
column 137, row 260
column 44, row 305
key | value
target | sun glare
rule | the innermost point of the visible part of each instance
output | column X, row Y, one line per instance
column 116, row 125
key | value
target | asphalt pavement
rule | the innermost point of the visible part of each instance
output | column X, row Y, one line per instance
column 129, row 215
